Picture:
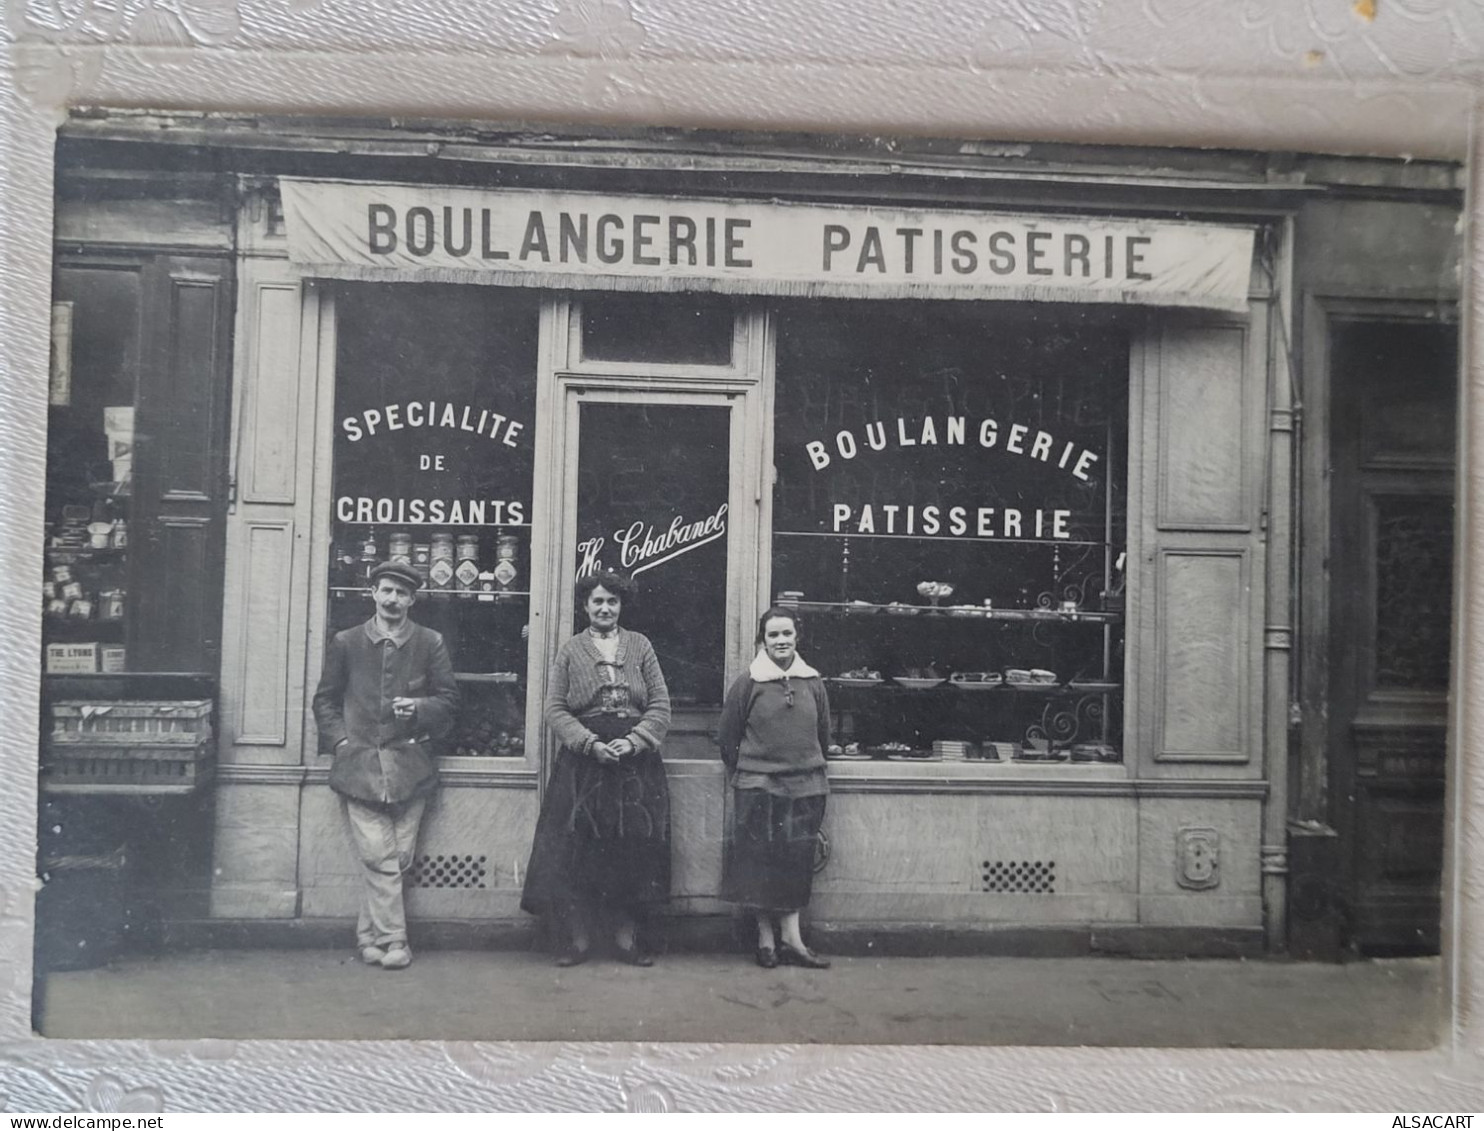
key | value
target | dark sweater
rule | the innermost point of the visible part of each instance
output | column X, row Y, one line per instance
column 761, row 732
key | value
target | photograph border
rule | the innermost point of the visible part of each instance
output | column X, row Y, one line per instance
column 1391, row 85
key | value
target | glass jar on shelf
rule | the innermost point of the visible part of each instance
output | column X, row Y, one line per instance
column 507, row 546
column 441, row 565
column 399, row 547
column 422, row 560
column 466, row 571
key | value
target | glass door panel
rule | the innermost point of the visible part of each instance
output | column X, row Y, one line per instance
column 653, row 484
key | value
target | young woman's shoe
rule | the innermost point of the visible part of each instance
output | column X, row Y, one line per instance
column 634, row 956
column 766, row 957
column 788, row 956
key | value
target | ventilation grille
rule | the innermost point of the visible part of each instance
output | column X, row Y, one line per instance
column 448, row 872
column 1023, row 877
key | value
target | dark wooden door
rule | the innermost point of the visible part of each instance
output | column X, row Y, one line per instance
column 180, row 465
column 1391, row 566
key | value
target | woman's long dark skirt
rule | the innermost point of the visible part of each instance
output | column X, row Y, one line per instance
column 603, row 836
column 770, row 844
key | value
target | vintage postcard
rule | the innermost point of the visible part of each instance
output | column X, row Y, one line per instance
column 1106, row 514
column 912, row 593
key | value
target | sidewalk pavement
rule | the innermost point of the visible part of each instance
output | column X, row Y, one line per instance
column 468, row 995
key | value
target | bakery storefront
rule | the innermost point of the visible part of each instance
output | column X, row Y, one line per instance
column 912, row 425
column 1026, row 471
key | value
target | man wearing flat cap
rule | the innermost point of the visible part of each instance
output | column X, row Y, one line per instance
column 385, row 699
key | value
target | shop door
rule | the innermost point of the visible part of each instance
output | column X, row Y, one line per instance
column 1391, row 553
column 651, row 493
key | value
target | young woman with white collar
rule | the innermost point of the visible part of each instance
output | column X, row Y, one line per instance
column 775, row 729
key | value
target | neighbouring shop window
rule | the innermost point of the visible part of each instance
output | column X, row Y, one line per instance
column 652, row 490
column 89, row 469
column 658, row 329
column 949, row 516
column 435, row 397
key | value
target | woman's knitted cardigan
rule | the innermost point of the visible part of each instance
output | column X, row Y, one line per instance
column 576, row 685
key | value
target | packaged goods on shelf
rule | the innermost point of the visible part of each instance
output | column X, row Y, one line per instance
column 72, row 659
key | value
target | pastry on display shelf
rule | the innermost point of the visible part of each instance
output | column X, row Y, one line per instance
column 1030, row 677
column 935, row 591
column 975, row 680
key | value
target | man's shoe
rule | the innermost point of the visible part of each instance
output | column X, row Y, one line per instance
column 372, row 955
column 398, row 957
column 572, row 956
column 806, row 957
column 766, row 957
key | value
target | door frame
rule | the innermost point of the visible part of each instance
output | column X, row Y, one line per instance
column 1318, row 781
column 566, row 381
column 1311, row 797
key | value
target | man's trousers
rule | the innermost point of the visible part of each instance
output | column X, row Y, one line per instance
column 385, row 839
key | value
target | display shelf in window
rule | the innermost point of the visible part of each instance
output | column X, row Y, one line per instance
column 453, row 561
column 1012, row 649
column 1072, row 614
column 479, row 596
column 383, row 524
column 85, row 606
column 955, row 686
column 491, row 720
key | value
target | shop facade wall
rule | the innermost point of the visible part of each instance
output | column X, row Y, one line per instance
column 1198, row 409
column 277, row 385
column 1199, row 863
column 697, row 818
column 263, row 697
column 471, row 854
column 958, row 855
column 1380, row 247
column 474, row 815
column 256, row 843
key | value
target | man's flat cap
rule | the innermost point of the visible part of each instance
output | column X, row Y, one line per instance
column 399, row 570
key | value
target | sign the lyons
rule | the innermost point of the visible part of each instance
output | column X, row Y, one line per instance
column 519, row 237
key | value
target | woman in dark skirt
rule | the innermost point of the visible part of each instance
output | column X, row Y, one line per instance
column 775, row 728
column 602, row 841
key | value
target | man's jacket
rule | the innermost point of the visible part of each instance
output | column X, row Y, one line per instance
column 380, row 758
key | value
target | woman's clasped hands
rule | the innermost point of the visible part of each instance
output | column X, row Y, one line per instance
column 609, row 753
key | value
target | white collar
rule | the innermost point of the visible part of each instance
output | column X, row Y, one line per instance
column 764, row 670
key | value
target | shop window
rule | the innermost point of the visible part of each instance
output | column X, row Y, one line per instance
column 435, row 397
column 89, row 468
column 657, row 329
column 950, row 519
column 135, row 475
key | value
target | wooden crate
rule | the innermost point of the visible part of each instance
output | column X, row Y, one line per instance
column 126, row 722
column 129, row 767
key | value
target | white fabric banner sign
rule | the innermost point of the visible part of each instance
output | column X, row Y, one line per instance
column 600, row 241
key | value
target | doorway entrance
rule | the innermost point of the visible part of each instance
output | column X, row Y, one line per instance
column 1392, row 434
column 651, row 494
